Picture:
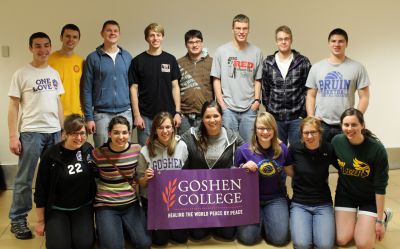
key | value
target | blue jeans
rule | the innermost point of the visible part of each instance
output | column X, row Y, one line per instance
column 289, row 131
column 143, row 134
column 33, row 146
column 111, row 223
column 274, row 215
column 188, row 122
column 242, row 122
column 312, row 226
column 102, row 120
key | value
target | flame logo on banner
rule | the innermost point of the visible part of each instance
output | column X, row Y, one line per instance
column 168, row 194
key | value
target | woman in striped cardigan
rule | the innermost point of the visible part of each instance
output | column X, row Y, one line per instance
column 116, row 205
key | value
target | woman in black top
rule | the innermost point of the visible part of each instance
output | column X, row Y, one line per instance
column 312, row 222
column 65, row 190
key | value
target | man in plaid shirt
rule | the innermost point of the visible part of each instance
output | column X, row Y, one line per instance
column 283, row 81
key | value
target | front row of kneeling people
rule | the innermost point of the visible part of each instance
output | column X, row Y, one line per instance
column 67, row 193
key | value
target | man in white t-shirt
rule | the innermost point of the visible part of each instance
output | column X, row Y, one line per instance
column 332, row 84
column 35, row 90
column 237, row 68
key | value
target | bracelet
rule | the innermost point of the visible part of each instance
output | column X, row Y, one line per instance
column 380, row 221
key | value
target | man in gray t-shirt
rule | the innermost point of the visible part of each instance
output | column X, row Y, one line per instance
column 237, row 72
column 332, row 85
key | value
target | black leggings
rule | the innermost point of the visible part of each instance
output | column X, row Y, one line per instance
column 70, row 229
column 161, row 237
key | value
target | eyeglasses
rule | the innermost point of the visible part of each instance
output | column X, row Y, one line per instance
column 77, row 134
column 191, row 43
column 286, row 39
column 263, row 129
column 167, row 127
column 312, row 133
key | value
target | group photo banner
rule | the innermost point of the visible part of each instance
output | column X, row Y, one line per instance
column 202, row 198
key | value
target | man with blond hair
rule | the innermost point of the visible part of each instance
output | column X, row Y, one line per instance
column 154, row 76
column 283, row 80
column 237, row 72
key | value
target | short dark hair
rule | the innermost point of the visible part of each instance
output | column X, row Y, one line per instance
column 71, row 27
column 110, row 22
column 193, row 33
column 240, row 18
column 38, row 35
column 338, row 31
column 118, row 120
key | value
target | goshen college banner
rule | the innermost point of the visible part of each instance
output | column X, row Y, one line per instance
column 202, row 198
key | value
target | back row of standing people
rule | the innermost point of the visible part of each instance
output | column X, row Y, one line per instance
column 114, row 84
column 155, row 81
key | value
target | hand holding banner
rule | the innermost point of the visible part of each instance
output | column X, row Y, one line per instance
column 202, row 198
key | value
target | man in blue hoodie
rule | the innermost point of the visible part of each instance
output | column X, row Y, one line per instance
column 105, row 91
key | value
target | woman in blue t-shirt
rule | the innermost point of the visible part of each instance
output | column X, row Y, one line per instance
column 266, row 155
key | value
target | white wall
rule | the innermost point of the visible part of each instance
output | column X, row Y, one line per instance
column 374, row 39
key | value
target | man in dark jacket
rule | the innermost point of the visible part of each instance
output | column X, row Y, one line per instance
column 283, row 81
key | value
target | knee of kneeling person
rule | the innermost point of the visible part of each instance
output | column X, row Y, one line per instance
column 248, row 240
column 342, row 241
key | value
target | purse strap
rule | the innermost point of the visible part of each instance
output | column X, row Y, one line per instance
column 131, row 183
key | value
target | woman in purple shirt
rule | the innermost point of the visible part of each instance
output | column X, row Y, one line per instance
column 268, row 156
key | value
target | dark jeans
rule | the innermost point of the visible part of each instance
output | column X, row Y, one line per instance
column 274, row 217
column 112, row 222
column 330, row 131
column 289, row 131
column 70, row 229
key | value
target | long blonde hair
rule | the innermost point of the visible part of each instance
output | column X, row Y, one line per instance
column 267, row 120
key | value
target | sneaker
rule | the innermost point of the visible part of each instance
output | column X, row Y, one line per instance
column 389, row 215
column 21, row 230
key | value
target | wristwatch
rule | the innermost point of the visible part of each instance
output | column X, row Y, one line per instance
column 257, row 100
column 380, row 221
column 179, row 113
